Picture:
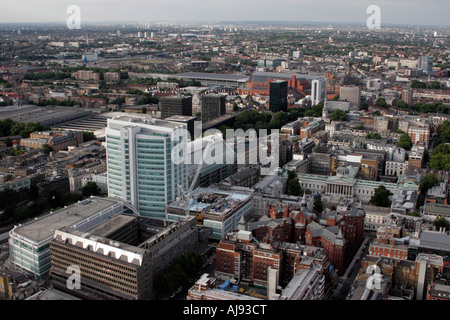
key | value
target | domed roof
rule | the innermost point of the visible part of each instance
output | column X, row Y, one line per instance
column 343, row 171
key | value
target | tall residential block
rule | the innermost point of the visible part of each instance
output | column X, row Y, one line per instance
column 318, row 90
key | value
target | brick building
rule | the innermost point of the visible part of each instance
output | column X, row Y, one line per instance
column 419, row 134
column 58, row 140
column 284, row 222
column 241, row 257
column 86, row 75
column 388, row 248
column 326, row 237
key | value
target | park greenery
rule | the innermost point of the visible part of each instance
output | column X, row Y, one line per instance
column 266, row 120
column 55, row 102
column 434, row 85
column 338, row 115
column 440, row 158
column 9, row 127
column 373, row 135
column 22, row 205
column 433, row 107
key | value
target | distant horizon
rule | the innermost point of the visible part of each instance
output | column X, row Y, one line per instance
column 228, row 22
column 433, row 13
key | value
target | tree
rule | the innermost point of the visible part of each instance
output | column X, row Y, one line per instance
column 440, row 161
column 119, row 101
column 401, row 104
column 426, row 156
column 380, row 197
column 418, row 84
column 429, row 181
column 405, row 142
column 91, row 189
column 293, row 187
column 291, row 174
column 435, row 85
column 172, row 277
column 373, row 135
column 88, row 136
column 68, row 198
column 318, row 205
column 441, row 222
column 381, row 102
column 8, row 142
column 47, row 149
column 440, row 157
column 338, row 115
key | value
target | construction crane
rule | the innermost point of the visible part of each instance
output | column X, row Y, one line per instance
column 186, row 195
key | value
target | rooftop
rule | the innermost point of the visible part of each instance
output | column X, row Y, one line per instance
column 435, row 240
column 145, row 120
column 212, row 201
column 112, row 225
column 437, row 209
column 260, row 76
column 213, row 76
column 43, row 228
column 47, row 116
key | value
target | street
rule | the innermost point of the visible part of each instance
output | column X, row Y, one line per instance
column 345, row 282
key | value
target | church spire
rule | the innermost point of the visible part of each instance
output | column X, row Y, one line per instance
column 325, row 110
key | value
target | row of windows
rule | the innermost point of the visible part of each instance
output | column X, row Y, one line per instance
column 67, row 251
column 98, row 277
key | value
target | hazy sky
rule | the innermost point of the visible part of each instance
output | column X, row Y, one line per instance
column 413, row 12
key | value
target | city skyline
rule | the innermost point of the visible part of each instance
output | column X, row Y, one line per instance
column 321, row 11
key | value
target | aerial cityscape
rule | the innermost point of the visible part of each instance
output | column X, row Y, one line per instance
column 238, row 157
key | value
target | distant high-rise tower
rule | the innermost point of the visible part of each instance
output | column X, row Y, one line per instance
column 351, row 94
column 176, row 105
column 426, row 64
column 318, row 90
column 278, row 96
column 145, row 162
column 213, row 106
column 408, row 96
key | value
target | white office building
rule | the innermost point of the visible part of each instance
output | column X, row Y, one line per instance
column 145, row 158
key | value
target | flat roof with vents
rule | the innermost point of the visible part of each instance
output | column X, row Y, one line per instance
column 43, row 228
